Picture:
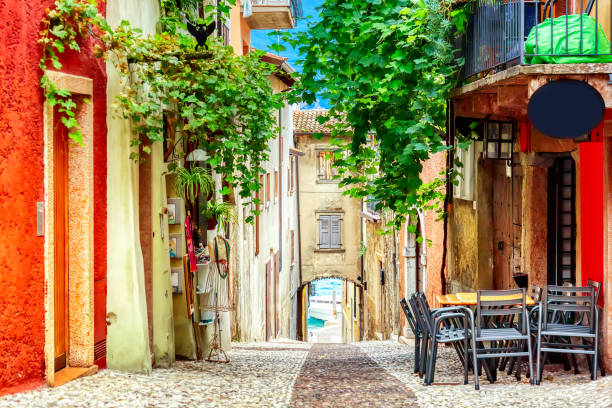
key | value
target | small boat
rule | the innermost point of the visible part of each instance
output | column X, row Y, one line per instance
column 321, row 307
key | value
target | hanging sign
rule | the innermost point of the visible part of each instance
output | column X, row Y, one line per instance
column 566, row 109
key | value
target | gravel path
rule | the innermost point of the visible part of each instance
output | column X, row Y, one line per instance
column 292, row 374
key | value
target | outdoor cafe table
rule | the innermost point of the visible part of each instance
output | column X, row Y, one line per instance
column 470, row 299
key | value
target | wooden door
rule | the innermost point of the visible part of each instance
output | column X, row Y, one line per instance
column 268, row 300
column 502, row 227
column 60, row 231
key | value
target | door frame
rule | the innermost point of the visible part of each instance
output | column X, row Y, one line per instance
column 80, row 225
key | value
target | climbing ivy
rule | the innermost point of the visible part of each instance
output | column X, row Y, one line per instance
column 212, row 99
column 386, row 68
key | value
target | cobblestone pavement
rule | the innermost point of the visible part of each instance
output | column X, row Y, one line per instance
column 291, row 374
column 557, row 389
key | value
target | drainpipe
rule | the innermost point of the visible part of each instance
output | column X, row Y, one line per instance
column 450, row 139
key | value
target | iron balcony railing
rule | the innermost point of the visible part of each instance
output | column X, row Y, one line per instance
column 296, row 5
column 498, row 29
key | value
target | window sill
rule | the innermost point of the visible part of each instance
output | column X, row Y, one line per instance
column 321, row 181
column 330, row 250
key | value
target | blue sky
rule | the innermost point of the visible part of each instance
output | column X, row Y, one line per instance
column 262, row 41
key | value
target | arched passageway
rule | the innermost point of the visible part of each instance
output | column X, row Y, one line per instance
column 331, row 311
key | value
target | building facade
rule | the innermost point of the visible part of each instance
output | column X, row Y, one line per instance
column 533, row 202
column 53, row 305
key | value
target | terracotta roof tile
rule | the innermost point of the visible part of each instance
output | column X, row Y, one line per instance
column 305, row 121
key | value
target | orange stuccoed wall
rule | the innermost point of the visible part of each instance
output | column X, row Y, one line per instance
column 21, row 187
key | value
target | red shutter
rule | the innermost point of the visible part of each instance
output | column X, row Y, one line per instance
column 324, row 231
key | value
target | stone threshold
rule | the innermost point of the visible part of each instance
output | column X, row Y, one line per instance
column 72, row 373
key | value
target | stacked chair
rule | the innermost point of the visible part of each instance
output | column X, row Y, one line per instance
column 444, row 325
column 568, row 313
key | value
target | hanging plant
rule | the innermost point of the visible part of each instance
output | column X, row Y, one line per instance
column 223, row 103
column 190, row 183
column 219, row 214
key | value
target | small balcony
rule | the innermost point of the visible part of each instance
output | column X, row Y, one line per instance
column 505, row 33
column 272, row 14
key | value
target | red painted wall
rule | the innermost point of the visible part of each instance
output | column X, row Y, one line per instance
column 21, row 186
column 591, row 212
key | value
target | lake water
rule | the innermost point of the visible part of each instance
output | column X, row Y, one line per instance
column 328, row 286
column 324, row 287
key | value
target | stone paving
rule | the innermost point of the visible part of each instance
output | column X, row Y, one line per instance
column 557, row 389
column 292, row 374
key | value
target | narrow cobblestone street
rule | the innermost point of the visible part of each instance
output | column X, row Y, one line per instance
column 291, row 374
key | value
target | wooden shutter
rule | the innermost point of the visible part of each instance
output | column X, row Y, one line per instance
column 292, row 247
column 324, row 231
column 276, row 186
column 335, row 231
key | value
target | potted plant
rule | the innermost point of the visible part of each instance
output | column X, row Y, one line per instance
column 219, row 214
column 189, row 183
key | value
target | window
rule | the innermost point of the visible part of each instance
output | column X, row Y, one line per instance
column 267, row 189
column 325, row 169
column 329, row 231
column 465, row 181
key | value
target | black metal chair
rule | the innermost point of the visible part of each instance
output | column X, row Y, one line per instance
column 501, row 320
column 444, row 325
column 416, row 330
column 597, row 286
column 566, row 313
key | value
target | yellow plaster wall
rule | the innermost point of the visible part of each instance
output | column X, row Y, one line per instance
column 127, row 338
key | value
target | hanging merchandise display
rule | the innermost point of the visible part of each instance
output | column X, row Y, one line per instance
column 218, row 297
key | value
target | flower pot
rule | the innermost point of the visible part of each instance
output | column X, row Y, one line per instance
column 211, row 224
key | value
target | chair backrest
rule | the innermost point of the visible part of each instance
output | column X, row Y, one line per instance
column 425, row 311
column 597, row 286
column 565, row 301
column 409, row 317
column 416, row 312
column 536, row 293
column 495, row 303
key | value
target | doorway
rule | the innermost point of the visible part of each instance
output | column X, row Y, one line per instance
column 60, row 224
column 562, row 222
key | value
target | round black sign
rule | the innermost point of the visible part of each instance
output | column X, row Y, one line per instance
column 566, row 109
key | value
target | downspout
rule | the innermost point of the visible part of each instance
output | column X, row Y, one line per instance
column 280, row 192
column 450, row 139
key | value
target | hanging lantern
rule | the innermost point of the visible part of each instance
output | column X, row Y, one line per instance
column 498, row 140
